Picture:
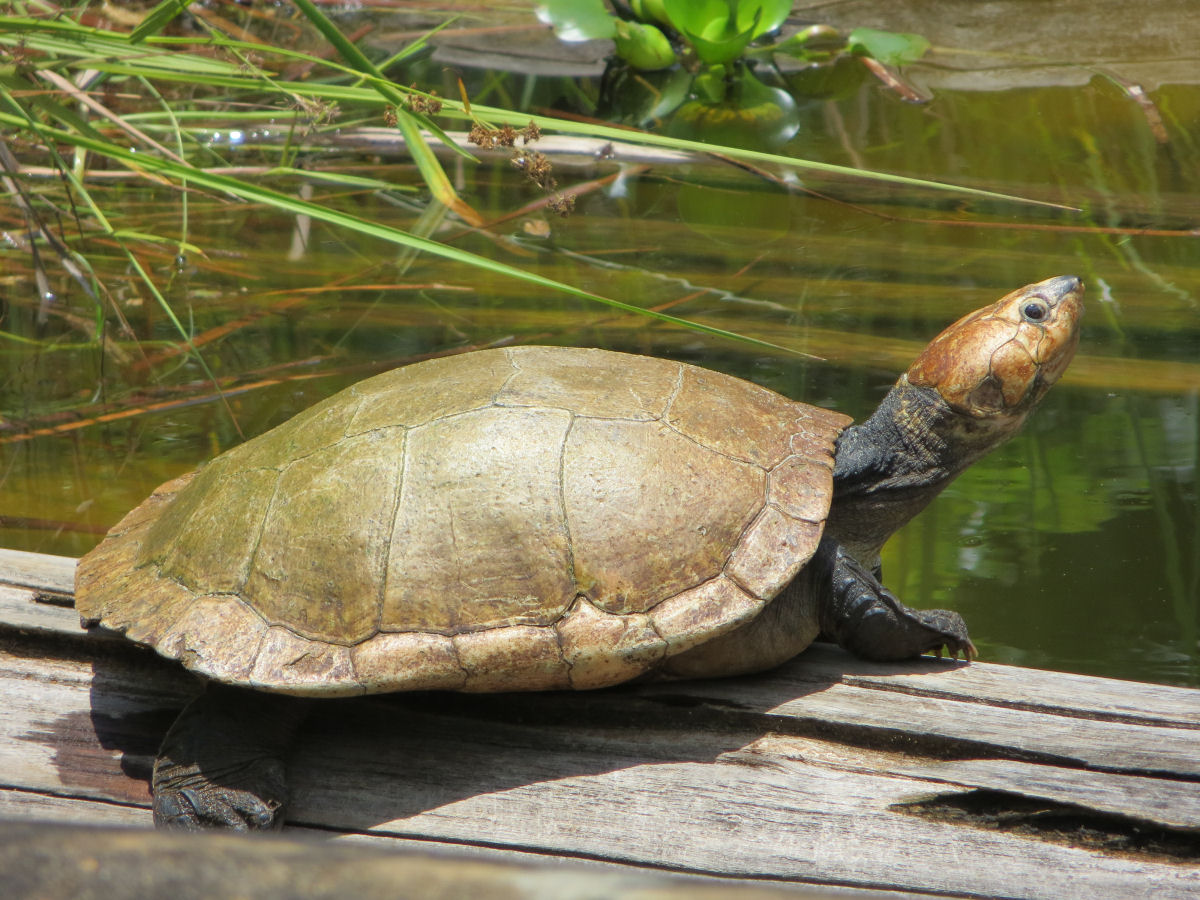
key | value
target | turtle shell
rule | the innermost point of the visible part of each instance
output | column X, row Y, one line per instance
column 514, row 519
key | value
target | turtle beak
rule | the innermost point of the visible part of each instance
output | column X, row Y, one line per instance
column 1060, row 286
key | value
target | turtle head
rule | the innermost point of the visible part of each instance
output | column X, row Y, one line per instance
column 968, row 392
column 999, row 361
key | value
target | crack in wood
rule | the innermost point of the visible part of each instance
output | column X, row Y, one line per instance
column 1067, row 824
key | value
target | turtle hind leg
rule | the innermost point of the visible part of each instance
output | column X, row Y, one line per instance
column 863, row 616
column 221, row 763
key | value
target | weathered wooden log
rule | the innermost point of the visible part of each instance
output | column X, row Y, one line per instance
column 933, row 777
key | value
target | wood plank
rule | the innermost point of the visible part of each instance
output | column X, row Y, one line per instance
column 1013, row 686
column 770, row 818
column 21, row 607
column 808, row 774
column 19, row 805
column 55, row 574
column 781, row 822
column 647, row 782
column 982, row 729
column 1162, row 802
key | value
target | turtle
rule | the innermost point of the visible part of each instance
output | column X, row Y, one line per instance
column 544, row 518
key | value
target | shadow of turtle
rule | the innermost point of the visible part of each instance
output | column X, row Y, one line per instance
column 422, row 763
column 428, row 764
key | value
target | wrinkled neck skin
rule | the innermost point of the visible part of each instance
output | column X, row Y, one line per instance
column 889, row 467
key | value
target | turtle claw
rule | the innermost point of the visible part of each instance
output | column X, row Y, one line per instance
column 949, row 633
column 954, row 647
column 192, row 809
column 251, row 801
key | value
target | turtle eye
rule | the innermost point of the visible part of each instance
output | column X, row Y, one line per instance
column 1035, row 311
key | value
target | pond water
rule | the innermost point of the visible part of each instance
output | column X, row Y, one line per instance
column 1075, row 547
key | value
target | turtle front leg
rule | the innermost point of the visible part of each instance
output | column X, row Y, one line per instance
column 221, row 764
column 863, row 616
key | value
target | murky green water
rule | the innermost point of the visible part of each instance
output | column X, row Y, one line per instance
column 1075, row 547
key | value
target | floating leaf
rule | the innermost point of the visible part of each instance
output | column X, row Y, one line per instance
column 803, row 43
column 889, row 47
column 578, row 20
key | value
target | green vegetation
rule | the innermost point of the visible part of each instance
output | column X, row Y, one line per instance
column 703, row 34
column 40, row 106
column 704, row 56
